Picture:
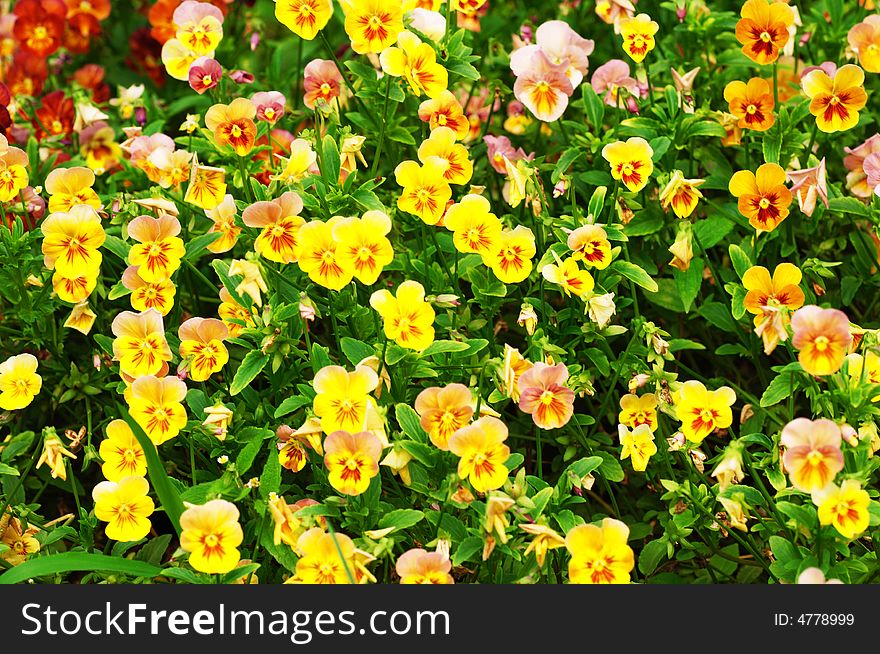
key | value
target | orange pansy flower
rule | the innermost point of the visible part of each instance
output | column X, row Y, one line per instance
column 201, row 343
column 752, row 103
column 279, row 222
column 763, row 29
column 762, row 197
column 233, row 124
column 159, row 250
column 836, row 102
column 443, row 411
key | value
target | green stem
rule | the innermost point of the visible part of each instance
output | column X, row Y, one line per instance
column 192, row 460
column 259, row 535
column 382, row 360
column 342, row 558
column 246, row 180
column 648, row 82
column 331, row 299
column 617, row 370
column 342, row 71
column 809, row 149
column 442, row 257
column 742, row 542
column 538, row 452
column 200, row 274
column 780, row 520
column 20, row 482
column 381, row 144
column 776, row 85
column 298, row 72
column 492, row 98
column 74, row 489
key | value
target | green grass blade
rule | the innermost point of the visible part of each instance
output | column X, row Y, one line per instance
column 77, row 562
column 168, row 495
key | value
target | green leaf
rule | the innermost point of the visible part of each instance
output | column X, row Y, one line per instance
column 465, row 70
column 467, row 549
column 779, row 388
column 165, row 491
column 803, row 515
column 154, row 550
column 514, row 461
column 354, row 350
column 704, row 128
column 270, row 480
column 117, row 246
column 849, row 205
column 740, row 260
column 438, row 347
column 401, row 519
column 9, row 471
column 251, row 366
column 610, row 467
column 772, row 143
column 255, row 437
column 651, row 555
column 849, row 287
column 199, row 244
column 410, row 422
column 660, row 146
column 291, row 404
column 117, row 291
column 718, row 316
column 222, row 270
column 330, row 160
column 679, row 344
column 712, row 230
column 783, row 550
column 635, row 273
column 594, row 107
column 751, row 496
column 688, row 282
column 77, row 562
column 368, row 200
column 424, row 454
column 597, row 201
column 187, row 576
column 666, row 296
column 320, row 356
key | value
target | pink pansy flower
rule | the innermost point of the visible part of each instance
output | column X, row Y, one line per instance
column 199, row 27
column 500, row 147
column 194, row 11
column 871, row 166
column 562, row 45
column 808, row 184
column 812, row 453
column 829, row 67
column 270, row 105
column 241, row 77
column 204, row 73
column 141, row 147
column 612, row 76
column 544, row 395
column 857, row 179
column 36, row 205
column 822, row 338
column 322, row 81
column 543, row 87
